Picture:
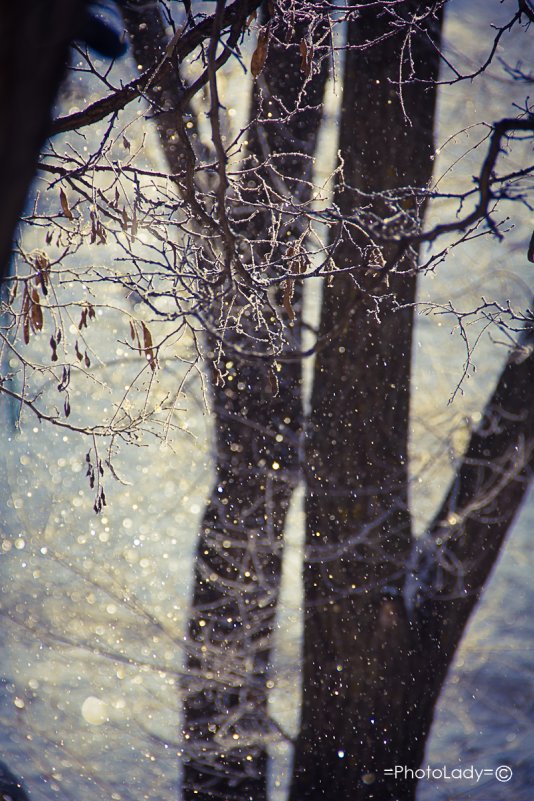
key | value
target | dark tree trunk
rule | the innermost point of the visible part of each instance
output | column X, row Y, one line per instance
column 34, row 41
column 363, row 663
column 485, row 496
column 257, row 437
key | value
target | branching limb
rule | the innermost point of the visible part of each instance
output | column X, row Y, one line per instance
column 492, row 479
column 183, row 47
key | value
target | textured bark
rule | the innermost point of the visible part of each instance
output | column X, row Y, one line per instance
column 361, row 655
column 146, row 30
column 257, row 430
column 257, row 434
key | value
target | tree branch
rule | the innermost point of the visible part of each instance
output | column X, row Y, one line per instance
column 466, row 535
column 182, row 48
column 500, row 130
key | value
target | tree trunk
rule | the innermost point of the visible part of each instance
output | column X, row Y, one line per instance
column 238, row 565
column 457, row 555
column 33, row 50
column 258, row 417
column 361, row 653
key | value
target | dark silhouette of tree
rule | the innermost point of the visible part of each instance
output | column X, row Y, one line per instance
column 358, row 521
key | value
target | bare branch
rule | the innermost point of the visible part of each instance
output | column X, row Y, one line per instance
column 185, row 45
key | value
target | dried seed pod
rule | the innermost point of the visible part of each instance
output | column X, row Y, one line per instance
column 36, row 312
column 149, row 347
column 260, row 53
column 289, row 291
column 274, row 386
column 53, row 345
column 65, row 205
column 65, row 379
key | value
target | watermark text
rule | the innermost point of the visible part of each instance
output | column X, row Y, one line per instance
column 469, row 772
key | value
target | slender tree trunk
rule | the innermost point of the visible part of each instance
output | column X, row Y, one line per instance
column 361, row 654
column 258, row 419
column 462, row 544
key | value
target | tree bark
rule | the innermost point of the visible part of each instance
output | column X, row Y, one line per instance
column 258, row 421
column 258, row 418
column 360, row 650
